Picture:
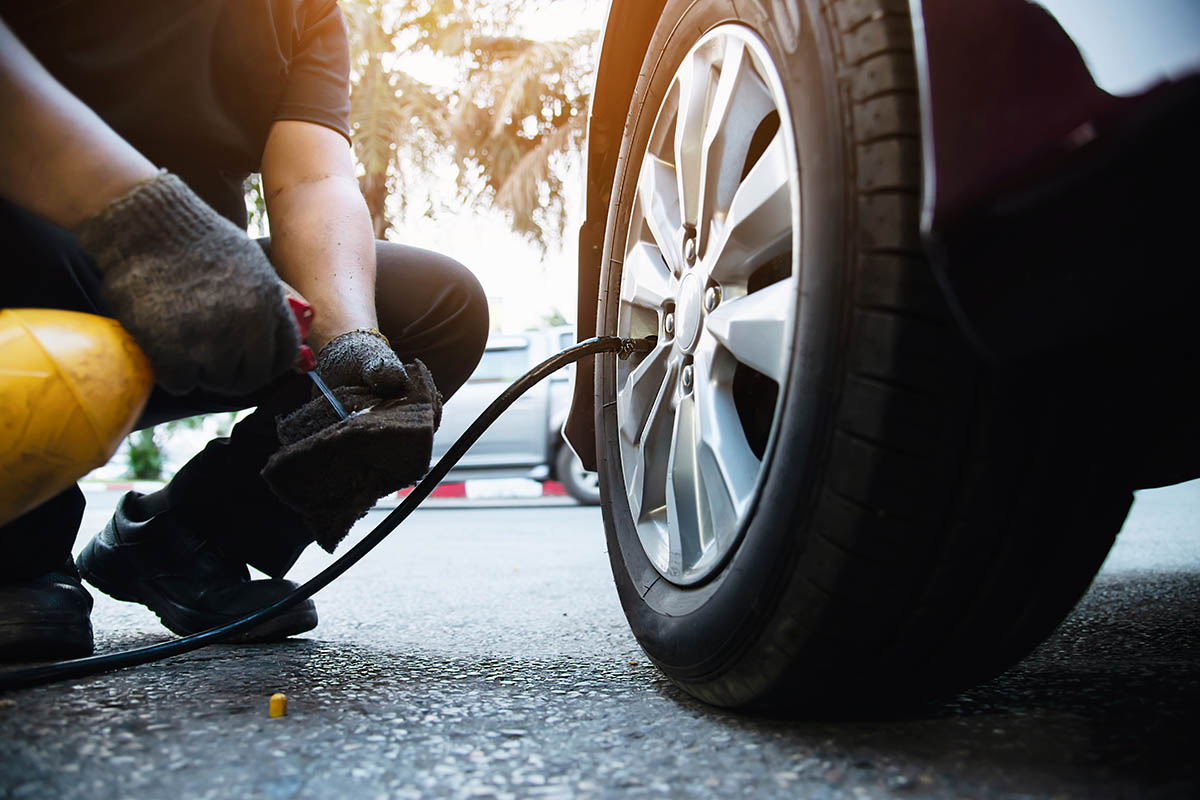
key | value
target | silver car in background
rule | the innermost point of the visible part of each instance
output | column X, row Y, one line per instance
column 526, row 442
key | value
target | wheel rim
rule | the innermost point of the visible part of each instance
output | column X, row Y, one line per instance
column 585, row 479
column 711, row 268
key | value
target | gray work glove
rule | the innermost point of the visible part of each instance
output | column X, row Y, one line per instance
column 362, row 358
column 195, row 292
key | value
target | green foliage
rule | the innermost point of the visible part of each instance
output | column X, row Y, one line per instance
column 256, row 206
column 145, row 456
column 524, row 104
column 397, row 123
column 147, row 461
column 516, row 106
column 554, row 319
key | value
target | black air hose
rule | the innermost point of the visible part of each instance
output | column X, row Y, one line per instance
column 48, row 673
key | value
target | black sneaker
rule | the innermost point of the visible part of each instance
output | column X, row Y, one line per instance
column 45, row 618
column 185, row 580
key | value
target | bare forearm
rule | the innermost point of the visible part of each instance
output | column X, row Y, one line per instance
column 323, row 245
column 63, row 161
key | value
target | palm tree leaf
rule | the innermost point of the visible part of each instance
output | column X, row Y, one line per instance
column 519, row 194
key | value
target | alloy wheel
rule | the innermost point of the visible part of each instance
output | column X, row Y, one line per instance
column 710, row 267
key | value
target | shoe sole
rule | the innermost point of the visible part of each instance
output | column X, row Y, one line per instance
column 48, row 638
column 178, row 618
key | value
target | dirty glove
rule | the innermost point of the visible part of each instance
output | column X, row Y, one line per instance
column 362, row 357
column 332, row 471
column 194, row 291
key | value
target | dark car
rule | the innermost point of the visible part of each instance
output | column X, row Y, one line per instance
column 921, row 276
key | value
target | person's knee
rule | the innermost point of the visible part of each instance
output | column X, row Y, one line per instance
column 468, row 321
column 432, row 308
column 476, row 319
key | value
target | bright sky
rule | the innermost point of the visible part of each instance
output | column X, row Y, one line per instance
column 522, row 285
column 564, row 17
column 1130, row 46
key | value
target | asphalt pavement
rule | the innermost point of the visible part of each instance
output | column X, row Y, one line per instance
column 481, row 652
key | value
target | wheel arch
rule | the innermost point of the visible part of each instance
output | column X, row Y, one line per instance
column 555, row 440
column 626, row 37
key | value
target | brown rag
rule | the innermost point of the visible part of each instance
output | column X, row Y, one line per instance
column 332, row 471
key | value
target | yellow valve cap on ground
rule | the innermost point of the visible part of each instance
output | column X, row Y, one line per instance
column 72, row 386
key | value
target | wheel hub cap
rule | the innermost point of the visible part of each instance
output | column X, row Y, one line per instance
column 688, row 305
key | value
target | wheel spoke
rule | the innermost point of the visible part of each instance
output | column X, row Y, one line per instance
column 741, row 101
column 638, row 398
column 756, row 328
column 645, row 278
column 759, row 224
column 695, row 75
column 684, row 521
column 647, row 479
column 712, row 163
column 659, row 205
column 732, row 66
column 728, row 467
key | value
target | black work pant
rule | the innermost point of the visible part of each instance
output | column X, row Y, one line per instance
column 429, row 306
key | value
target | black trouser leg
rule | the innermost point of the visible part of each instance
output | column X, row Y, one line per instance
column 221, row 495
column 43, row 269
column 40, row 541
column 430, row 307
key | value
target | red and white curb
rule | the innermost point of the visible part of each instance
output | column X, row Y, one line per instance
column 142, row 487
column 492, row 489
column 495, row 489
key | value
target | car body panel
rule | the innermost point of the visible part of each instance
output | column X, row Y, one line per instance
column 1011, row 89
column 1056, row 137
column 517, row 437
column 525, row 439
column 627, row 32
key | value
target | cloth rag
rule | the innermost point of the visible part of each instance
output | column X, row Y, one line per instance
column 331, row 471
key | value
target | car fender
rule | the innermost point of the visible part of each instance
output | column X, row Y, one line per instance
column 990, row 119
column 1040, row 120
column 627, row 33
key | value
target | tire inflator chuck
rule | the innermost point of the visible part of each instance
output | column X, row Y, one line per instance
column 92, row 665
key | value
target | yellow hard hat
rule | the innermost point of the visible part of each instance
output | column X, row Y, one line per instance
column 72, row 386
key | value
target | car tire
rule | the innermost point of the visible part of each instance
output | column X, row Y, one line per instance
column 580, row 484
column 917, row 521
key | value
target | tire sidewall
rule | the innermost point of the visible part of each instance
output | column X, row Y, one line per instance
column 696, row 632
